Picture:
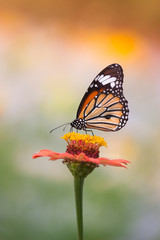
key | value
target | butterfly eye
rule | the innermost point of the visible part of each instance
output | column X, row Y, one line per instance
column 108, row 116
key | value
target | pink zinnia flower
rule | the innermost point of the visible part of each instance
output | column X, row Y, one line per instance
column 82, row 154
column 81, row 157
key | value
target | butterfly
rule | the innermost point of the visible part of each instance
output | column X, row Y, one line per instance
column 103, row 106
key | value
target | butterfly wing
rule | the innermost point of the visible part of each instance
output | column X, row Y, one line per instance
column 103, row 106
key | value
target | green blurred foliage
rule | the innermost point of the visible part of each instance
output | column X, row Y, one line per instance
column 34, row 207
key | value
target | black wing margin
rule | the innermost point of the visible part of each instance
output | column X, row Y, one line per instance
column 109, row 79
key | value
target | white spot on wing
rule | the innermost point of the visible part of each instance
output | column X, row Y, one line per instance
column 102, row 78
column 97, row 78
column 112, row 79
column 112, row 84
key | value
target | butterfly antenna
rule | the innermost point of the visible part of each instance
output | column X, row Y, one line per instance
column 60, row 127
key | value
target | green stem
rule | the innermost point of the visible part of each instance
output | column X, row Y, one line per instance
column 78, row 189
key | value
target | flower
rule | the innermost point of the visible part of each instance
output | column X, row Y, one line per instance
column 82, row 154
column 81, row 158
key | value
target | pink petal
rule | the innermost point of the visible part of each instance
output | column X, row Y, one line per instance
column 82, row 158
column 53, row 155
column 103, row 161
column 113, row 162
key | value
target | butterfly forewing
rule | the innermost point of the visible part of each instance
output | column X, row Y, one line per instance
column 111, row 75
column 103, row 106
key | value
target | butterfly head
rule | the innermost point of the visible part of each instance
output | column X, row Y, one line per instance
column 78, row 123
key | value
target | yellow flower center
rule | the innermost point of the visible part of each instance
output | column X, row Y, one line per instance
column 83, row 143
column 69, row 137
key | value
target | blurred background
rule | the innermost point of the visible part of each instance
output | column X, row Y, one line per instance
column 50, row 51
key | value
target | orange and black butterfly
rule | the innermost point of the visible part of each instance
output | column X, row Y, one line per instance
column 103, row 106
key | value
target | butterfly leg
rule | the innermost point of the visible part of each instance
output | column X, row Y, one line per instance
column 86, row 131
column 71, row 129
column 91, row 132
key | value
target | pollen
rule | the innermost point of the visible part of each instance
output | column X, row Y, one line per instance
column 84, row 137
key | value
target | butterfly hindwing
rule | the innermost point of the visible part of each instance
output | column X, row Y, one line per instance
column 103, row 106
column 105, row 115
